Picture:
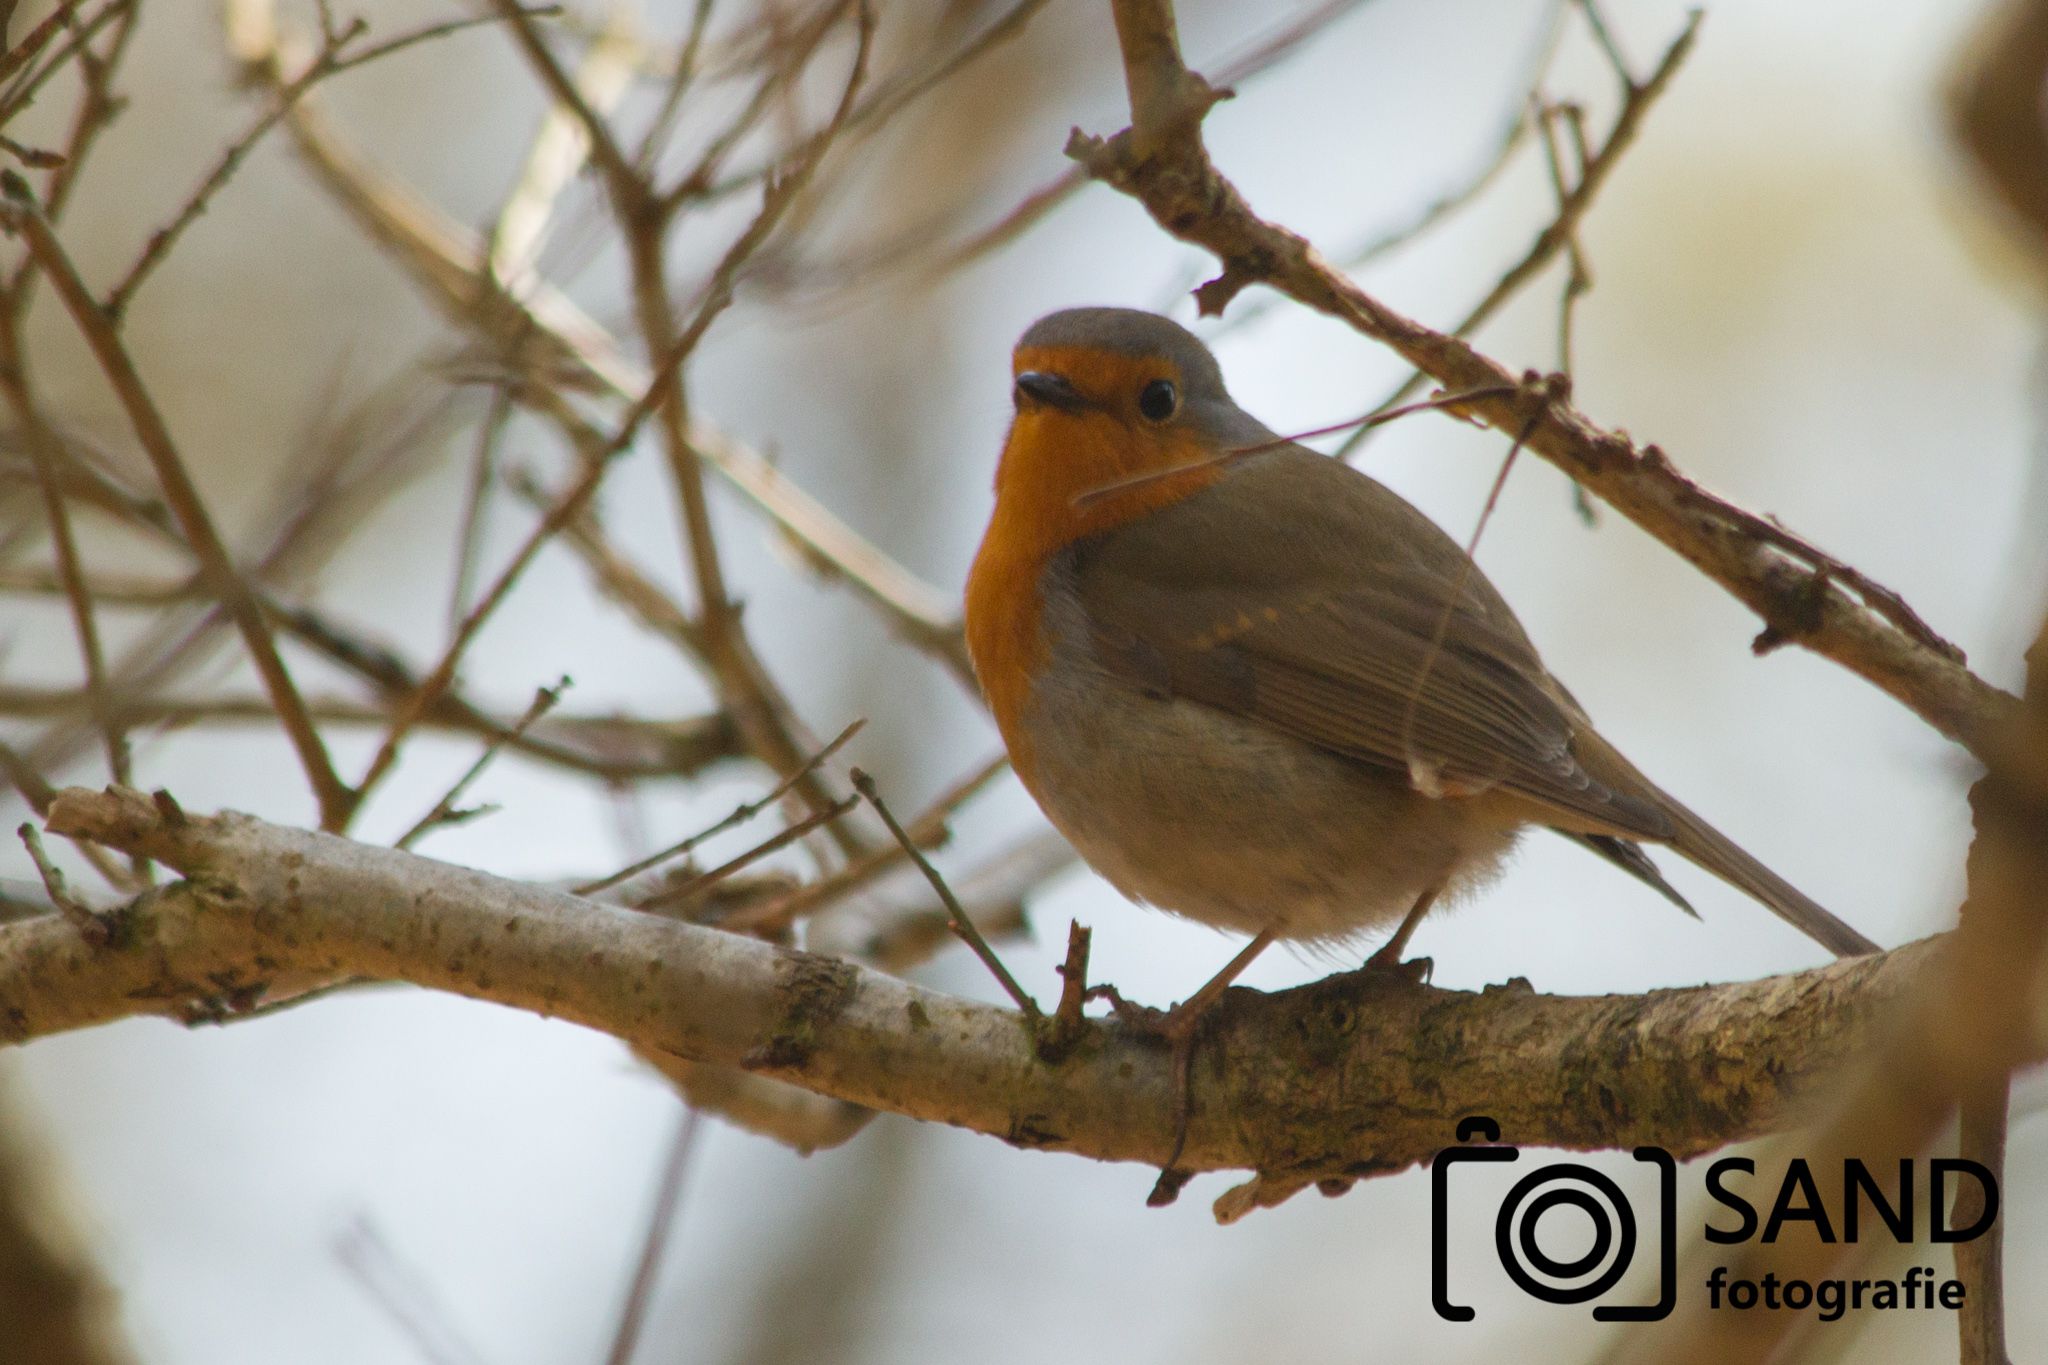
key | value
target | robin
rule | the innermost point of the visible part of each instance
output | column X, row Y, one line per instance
column 1264, row 691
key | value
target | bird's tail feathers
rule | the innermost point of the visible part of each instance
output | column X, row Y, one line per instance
column 1720, row 855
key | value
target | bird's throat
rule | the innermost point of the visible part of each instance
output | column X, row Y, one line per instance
column 1052, row 463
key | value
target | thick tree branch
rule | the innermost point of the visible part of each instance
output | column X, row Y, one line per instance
column 1351, row 1076
column 1805, row 596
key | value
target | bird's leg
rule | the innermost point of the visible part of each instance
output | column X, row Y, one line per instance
column 1181, row 1019
column 1178, row 1026
column 1388, row 956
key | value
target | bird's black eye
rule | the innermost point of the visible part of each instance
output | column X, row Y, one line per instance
column 1159, row 400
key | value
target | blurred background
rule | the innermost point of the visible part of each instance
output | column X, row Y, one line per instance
column 1797, row 293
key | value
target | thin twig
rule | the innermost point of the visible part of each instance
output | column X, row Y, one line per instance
column 1066, row 1016
column 1795, row 590
column 1561, row 230
column 401, row 1293
column 33, row 789
column 1980, row 1261
column 97, row 109
column 1036, row 206
column 79, row 41
column 549, row 337
column 604, row 149
column 1577, row 280
column 160, row 242
column 36, row 39
column 899, row 93
column 681, row 75
column 962, row 925
column 1467, row 190
column 559, row 150
column 443, row 813
column 617, row 576
column 332, row 59
column 565, row 509
column 42, row 447
column 1443, row 402
column 1608, row 46
column 794, row 52
column 80, row 915
column 676, row 896
column 182, row 495
column 740, row 815
column 428, row 33
column 1452, row 600
column 661, row 1222
column 483, row 475
column 750, row 694
column 927, row 830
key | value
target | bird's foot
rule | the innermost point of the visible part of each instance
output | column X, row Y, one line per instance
column 1144, row 1018
column 1177, row 1027
column 1415, row 970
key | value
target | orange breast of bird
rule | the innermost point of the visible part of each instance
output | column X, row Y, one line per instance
column 1043, row 506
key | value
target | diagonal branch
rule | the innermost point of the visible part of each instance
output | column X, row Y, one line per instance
column 233, row 591
column 1804, row 595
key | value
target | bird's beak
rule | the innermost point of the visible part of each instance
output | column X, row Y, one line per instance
column 1039, row 386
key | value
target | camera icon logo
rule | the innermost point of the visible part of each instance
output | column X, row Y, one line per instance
column 1560, row 1185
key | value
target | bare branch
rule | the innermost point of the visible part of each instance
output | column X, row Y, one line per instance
column 1980, row 1262
column 333, row 58
column 661, row 1223
column 43, row 451
column 1690, row 1069
column 680, row 899
column 1573, row 203
column 229, row 587
column 569, row 506
column 1805, row 596
column 543, row 332
column 740, row 815
column 961, row 923
column 444, row 811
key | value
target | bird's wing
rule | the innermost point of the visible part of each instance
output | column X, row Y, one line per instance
column 1306, row 596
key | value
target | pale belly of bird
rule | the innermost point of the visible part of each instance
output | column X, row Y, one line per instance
column 1222, row 820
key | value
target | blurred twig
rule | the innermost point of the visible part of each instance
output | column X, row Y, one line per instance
column 613, row 748
column 661, row 1221
column 1995, row 111
column 1039, row 204
column 340, row 50
column 24, row 215
column 401, row 1291
column 1952, row 1040
column 927, row 830
column 1574, row 200
column 543, row 335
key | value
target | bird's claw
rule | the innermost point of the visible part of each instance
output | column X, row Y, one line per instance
column 1415, row 970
